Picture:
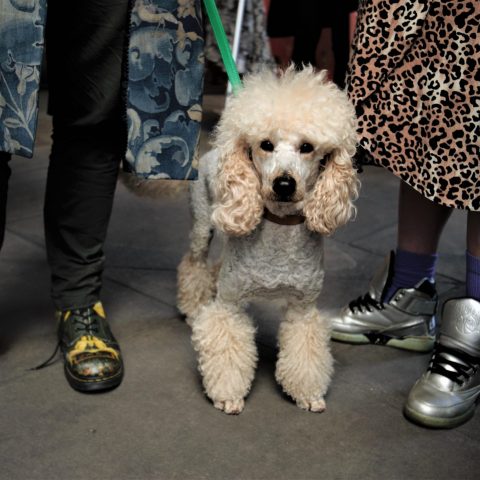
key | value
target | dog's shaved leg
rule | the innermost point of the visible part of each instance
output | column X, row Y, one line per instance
column 196, row 282
column 224, row 338
column 305, row 364
column 196, row 279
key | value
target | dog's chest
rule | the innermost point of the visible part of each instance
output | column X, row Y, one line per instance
column 274, row 259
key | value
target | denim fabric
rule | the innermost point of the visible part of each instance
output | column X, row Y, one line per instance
column 163, row 90
column 21, row 46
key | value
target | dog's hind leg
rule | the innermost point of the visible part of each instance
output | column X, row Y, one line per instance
column 224, row 338
column 305, row 364
column 196, row 279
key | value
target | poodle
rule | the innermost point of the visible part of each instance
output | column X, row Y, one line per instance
column 280, row 177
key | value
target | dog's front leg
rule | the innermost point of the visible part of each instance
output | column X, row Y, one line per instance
column 196, row 279
column 305, row 364
column 224, row 338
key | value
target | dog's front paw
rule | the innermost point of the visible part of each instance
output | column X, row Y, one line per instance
column 316, row 404
column 231, row 407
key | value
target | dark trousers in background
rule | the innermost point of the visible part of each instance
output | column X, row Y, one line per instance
column 84, row 65
column 304, row 22
column 307, row 36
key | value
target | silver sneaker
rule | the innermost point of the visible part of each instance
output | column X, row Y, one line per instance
column 445, row 395
column 407, row 321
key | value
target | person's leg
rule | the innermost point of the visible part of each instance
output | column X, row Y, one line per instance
column 305, row 45
column 84, row 74
column 445, row 395
column 473, row 256
column 308, row 23
column 4, row 176
column 80, row 187
column 399, row 309
column 340, row 42
column 420, row 224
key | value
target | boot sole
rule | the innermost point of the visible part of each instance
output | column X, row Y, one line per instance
column 415, row 344
column 437, row 422
column 94, row 386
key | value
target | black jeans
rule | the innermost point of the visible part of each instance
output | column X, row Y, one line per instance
column 4, row 176
column 84, row 66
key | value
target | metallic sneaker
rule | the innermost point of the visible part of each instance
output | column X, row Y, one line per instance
column 92, row 355
column 445, row 395
column 407, row 321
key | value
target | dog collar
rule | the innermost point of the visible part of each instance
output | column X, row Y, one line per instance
column 286, row 220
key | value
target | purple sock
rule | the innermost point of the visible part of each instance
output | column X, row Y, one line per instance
column 473, row 276
column 409, row 269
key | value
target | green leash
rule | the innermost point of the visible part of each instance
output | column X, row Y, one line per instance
column 223, row 45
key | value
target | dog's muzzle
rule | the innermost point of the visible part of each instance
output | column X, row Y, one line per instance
column 284, row 187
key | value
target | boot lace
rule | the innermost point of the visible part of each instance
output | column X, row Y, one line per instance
column 85, row 322
column 365, row 303
column 454, row 364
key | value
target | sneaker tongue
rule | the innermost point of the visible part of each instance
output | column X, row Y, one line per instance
column 379, row 280
column 460, row 326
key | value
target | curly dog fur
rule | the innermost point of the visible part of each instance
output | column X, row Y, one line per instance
column 284, row 145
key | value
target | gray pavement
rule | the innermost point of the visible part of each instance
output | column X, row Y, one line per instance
column 158, row 424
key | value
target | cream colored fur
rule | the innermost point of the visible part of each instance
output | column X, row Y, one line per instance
column 300, row 126
column 158, row 189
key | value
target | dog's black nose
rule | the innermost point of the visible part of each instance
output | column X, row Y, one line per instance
column 284, row 187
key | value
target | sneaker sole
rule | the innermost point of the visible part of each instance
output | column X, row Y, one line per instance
column 437, row 422
column 415, row 344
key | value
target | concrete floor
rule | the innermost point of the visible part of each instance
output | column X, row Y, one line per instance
column 158, row 424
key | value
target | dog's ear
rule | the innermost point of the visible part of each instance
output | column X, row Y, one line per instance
column 238, row 205
column 330, row 203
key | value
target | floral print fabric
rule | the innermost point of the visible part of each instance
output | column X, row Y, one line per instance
column 21, row 47
column 164, row 82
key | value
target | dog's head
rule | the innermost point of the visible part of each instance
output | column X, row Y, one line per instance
column 286, row 143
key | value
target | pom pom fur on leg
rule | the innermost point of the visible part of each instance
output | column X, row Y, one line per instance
column 224, row 338
column 305, row 364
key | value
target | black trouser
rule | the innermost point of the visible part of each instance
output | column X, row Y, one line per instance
column 84, row 65
column 4, row 176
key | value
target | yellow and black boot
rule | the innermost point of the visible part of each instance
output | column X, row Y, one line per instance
column 92, row 357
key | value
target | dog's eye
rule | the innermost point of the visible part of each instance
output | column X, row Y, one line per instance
column 267, row 146
column 306, row 147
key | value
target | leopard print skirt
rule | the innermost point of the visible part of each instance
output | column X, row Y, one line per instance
column 414, row 78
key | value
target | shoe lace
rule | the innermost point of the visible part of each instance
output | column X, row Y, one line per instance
column 365, row 303
column 454, row 364
column 84, row 321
